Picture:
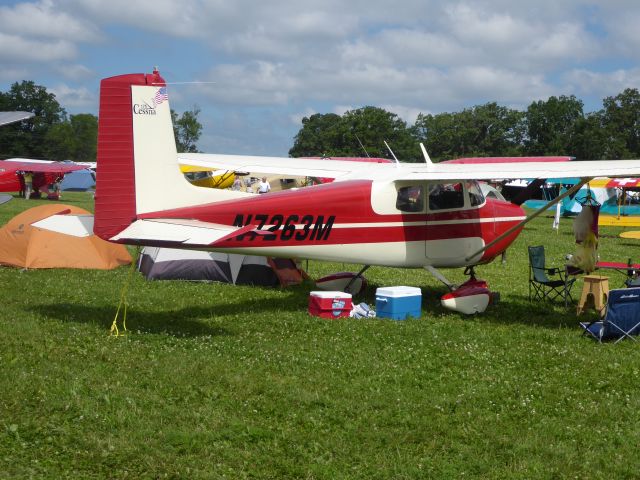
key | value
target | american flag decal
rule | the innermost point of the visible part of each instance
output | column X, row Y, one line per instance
column 161, row 96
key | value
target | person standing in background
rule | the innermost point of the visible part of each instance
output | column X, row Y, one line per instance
column 28, row 184
column 264, row 186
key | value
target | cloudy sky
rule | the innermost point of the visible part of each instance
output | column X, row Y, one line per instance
column 259, row 67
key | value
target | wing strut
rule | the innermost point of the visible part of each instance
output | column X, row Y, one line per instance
column 571, row 191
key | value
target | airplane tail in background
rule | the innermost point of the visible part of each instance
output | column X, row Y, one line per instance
column 137, row 165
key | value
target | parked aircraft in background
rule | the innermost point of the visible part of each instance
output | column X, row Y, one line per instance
column 44, row 172
column 618, row 199
column 208, row 177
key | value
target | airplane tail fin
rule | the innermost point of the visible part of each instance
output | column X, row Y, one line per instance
column 137, row 163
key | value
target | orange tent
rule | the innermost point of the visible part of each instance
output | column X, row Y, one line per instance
column 22, row 245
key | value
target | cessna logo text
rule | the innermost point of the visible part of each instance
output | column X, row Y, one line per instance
column 293, row 227
column 143, row 109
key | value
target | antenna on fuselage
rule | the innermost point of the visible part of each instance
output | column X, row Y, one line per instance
column 427, row 158
column 392, row 154
column 365, row 150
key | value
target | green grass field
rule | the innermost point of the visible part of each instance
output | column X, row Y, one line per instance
column 217, row 381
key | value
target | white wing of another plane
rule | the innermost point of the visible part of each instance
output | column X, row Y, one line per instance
column 10, row 117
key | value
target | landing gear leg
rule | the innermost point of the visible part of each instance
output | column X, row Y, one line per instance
column 440, row 277
column 471, row 272
column 357, row 275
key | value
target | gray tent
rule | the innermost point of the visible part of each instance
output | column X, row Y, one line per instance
column 178, row 264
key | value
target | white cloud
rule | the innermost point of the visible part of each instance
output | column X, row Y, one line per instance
column 602, row 84
column 74, row 71
column 23, row 50
column 75, row 98
column 522, row 42
column 255, row 83
column 408, row 114
column 342, row 109
column 322, row 55
column 44, row 19
column 296, row 118
column 502, row 85
column 474, row 25
column 14, row 74
column 183, row 19
column 623, row 35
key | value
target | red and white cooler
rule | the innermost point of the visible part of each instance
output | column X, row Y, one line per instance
column 329, row 304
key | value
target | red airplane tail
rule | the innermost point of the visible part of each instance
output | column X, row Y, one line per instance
column 137, row 164
column 115, row 202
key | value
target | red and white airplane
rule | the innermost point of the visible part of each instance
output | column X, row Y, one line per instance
column 396, row 215
column 45, row 172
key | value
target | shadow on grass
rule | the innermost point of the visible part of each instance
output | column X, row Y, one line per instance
column 189, row 321
column 515, row 309
column 185, row 322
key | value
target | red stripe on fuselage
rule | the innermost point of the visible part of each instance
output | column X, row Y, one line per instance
column 341, row 213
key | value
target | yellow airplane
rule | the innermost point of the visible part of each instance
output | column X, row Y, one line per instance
column 208, row 177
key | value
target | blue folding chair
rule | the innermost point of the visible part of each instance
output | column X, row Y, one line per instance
column 622, row 319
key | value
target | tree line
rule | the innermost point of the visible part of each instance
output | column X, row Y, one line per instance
column 54, row 135
column 556, row 126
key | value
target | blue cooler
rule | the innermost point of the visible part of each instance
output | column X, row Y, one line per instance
column 398, row 303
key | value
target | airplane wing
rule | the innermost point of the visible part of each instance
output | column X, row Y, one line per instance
column 532, row 170
column 296, row 167
column 468, row 160
column 10, row 117
column 495, row 169
column 39, row 166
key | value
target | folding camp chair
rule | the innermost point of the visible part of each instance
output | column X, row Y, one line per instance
column 541, row 285
column 622, row 319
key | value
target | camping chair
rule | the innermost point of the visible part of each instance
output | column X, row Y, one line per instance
column 622, row 319
column 541, row 285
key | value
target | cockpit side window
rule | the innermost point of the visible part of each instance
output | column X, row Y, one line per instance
column 476, row 197
column 410, row 198
column 445, row 196
column 197, row 175
column 451, row 196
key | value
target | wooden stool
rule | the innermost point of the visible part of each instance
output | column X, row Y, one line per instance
column 596, row 287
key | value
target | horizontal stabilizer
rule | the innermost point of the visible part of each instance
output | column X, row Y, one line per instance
column 74, row 225
column 187, row 232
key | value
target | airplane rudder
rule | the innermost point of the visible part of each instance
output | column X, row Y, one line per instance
column 115, row 204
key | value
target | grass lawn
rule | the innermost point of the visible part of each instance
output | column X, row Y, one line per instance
column 217, row 381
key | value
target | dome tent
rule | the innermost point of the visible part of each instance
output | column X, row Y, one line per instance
column 25, row 246
column 180, row 264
